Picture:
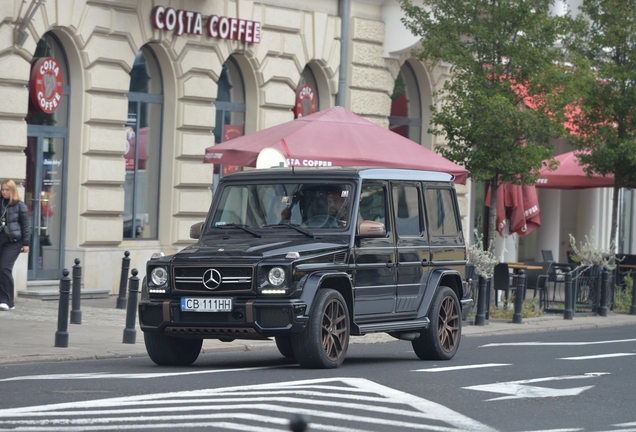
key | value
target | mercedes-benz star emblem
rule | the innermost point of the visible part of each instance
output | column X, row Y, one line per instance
column 211, row 279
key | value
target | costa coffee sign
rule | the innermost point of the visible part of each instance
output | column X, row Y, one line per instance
column 46, row 85
column 188, row 22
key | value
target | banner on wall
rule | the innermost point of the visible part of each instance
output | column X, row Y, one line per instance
column 231, row 132
column 305, row 101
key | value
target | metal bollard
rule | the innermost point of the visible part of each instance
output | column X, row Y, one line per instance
column 299, row 422
column 125, row 265
column 568, row 313
column 130, row 333
column 76, row 313
column 519, row 297
column 480, row 317
column 602, row 308
column 61, row 335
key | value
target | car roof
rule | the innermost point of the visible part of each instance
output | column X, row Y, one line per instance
column 329, row 173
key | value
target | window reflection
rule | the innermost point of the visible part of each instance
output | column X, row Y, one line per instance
column 143, row 148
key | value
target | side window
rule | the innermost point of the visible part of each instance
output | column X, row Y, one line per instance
column 372, row 203
column 440, row 212
column 406, row 205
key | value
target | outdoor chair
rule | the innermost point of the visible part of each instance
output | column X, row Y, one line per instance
column 503, row 281
column 537, row 280
column 547, row 255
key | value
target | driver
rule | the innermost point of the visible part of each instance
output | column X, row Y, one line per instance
column 337, row 203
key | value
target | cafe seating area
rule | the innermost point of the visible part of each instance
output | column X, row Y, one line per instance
column 547, row 281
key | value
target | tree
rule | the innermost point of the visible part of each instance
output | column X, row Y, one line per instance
column 602, row 47
column 503, row 61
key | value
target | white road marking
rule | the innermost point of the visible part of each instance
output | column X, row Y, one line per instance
column 599, row 356
column 108, row 375
column 453, row 368
column 557, row 343
column 518, row 389
column 356, row 404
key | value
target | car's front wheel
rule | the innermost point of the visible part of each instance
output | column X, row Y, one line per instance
column 172, row 351
column 440, row 340
column 324, row 342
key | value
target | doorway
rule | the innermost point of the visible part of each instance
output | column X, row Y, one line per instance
column 45, row 197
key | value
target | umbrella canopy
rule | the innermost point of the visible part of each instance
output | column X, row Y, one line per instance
column 519, row 205
column 570, row 175
column 334, row 137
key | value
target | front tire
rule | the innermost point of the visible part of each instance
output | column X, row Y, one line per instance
column 172, row 351
column 441, row 340
column 284, row 345
column 324, row 342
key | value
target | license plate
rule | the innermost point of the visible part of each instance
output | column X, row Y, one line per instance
column 197, row 304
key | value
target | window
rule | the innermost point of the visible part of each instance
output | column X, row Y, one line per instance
column 143, row 151
column 230, row 103
column 406, row 106
column 406, row 205
column 372, row 203
column 440, row 212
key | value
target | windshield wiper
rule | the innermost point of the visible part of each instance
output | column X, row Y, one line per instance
column 241, row 226
column 296, row 227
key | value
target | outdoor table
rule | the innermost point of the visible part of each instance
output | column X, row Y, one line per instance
column 516, row 266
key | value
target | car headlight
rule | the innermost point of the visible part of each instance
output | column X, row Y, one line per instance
column 276, row 276
column 159, row 276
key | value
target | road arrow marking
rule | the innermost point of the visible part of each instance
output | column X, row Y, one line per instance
column 518, row 389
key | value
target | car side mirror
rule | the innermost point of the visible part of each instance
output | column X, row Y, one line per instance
column 196, row 229
column 371, row 229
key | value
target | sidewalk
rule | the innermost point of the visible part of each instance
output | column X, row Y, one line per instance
column 28, row 332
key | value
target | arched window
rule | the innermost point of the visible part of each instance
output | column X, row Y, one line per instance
column 307, row 101
column 406, row 106
column 143, row 151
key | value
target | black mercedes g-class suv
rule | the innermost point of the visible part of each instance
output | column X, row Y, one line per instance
column 311, row 257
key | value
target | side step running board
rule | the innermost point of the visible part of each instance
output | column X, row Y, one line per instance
column 400, row 326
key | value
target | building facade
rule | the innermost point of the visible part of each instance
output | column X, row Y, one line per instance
column 107, row 107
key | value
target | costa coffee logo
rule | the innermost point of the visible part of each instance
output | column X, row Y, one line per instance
column 305, row 101
column 188, row 22
column 46, row 85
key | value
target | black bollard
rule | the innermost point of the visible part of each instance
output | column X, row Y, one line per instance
column 299, row 422
column 125, row 265
column 76, row 313
column 568, row 313
column 130, row 333
column 61, row 335
column 520, row 294
column 480, row 317
column 602, row 308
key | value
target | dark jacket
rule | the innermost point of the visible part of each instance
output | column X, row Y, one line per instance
column 18, row 223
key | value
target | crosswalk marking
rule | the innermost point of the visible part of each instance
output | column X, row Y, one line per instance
column 334, row 404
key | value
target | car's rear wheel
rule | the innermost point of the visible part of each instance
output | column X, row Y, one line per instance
column 172, row 351
column 324, row 342
column 284, row 345
column 440, row 341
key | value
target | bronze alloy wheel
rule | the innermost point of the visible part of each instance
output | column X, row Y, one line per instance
column 448, row 324
column 324, row 342
column 334, row 329
column 440, row 340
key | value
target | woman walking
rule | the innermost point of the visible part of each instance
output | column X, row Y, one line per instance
column 15, row 235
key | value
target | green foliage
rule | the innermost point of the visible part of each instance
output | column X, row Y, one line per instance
column 503, row 59
column 623, row 295
column 528, row 310
column 602, row 47
column 484, row 261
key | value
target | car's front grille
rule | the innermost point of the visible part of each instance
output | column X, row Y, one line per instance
column 213, row 279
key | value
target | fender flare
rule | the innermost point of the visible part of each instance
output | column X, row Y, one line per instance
column 339, row 281
column 434, row 281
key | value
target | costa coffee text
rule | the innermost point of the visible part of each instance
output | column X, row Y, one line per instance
column 188, row 22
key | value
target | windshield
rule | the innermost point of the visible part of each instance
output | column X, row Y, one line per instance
column 315, row 205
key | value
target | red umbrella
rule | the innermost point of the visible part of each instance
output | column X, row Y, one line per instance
column 334, row 137
column 570, row 175
column 520, row 205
